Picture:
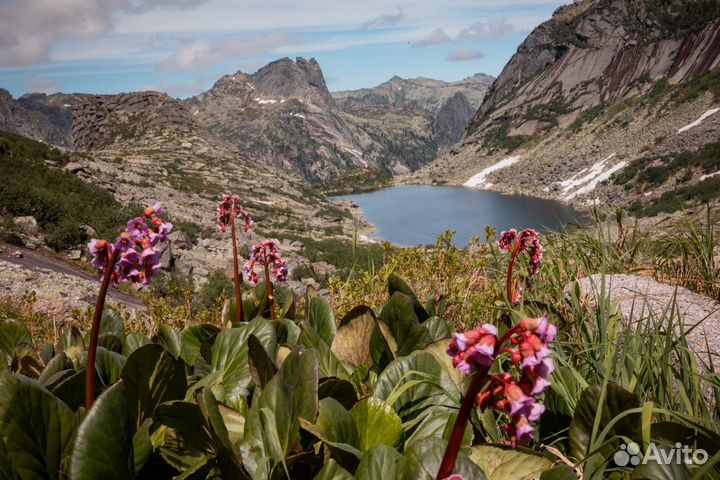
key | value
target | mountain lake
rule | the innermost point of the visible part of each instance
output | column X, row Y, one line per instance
column 417, row 214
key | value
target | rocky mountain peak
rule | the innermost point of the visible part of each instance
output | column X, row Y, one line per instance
column 452, row 118
column 595, row 51
column 284, row 79
column 105, row 121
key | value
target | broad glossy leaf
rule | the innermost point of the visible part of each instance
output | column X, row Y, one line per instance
column 112, row 322
column 71, row 342
column 351, row 343
column 400, row 316
column 330, row 366
column 376, row 423
column 505, row 463
column 104, row 444
column 332, row 471
column 262, row 368
column 559, row 472
column 439, row 351
column 660, row 471
column 617, row 400
column 192, row 338
column 169, row 339
column 230, row 356
column 108, row 365
column 271, row 426
column 336, row 428
column 439, row 423
column 438, row 328
column 187, row 420
column 70, row 388
column 255, row 302
column 134, row 341
column 6, row 469
column 111, row 342
column 57, row 364
column 424, row 458
column 35, row 427
column 230, row 463
column 284, row 301
column 397, row 284
column 382, row 462
column 12, row 335
column 152, row 376
column 142, row 446
column 319, row 316
column 334, row 423
column 428, row 384
column 341, row 390
column 287, row 332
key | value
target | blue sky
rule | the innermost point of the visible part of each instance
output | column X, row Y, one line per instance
column 183, row 46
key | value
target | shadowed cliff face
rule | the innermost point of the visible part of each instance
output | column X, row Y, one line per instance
column 597, row 51
column 610, row 103
column 47, row 118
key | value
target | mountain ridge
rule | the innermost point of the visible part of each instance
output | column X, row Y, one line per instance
column 602, row 86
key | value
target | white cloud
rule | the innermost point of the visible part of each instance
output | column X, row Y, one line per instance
column 201, row 54
column 461, row 54
column 436, row 37
column 487, row 30
column 29, row 29
column 386, row 20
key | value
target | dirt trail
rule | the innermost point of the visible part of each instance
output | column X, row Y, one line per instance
column 37, row 262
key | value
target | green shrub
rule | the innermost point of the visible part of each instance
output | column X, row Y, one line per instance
column 59, row 201
column 217, row 285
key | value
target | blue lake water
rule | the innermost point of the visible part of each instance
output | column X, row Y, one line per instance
column 417, row 214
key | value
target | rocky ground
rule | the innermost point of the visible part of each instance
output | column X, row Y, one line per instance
column 60, row 289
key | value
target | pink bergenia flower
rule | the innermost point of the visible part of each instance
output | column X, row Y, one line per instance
column 228, row 207
column 514, row 392
column 138, row 259
column 100, row 251
column 266, row 252
column 476, row 347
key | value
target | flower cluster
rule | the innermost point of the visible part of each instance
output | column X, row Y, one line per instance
column 228, row 207
column 516, row 391
column 266, row 254
column 527, row 240
column 136, row 248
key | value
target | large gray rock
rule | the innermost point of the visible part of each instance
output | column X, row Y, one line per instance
column 27, row 225
column 180, row 240
column 642, row 297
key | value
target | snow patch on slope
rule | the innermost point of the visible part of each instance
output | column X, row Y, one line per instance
column 697, row 122
column 478, row 180
column 598, row 172
column 709, row 175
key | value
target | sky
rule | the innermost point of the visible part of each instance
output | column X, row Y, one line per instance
column 183, row 46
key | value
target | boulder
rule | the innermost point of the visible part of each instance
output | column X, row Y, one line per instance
column 638, row 297
column 75, row 167
column 180, row 240
column 323, row 270
column 27, row 225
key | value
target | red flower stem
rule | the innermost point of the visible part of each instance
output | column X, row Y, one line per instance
column 458, row 431
column 239, row 317
column 509, row 281
column 95, row 331
column 269, row 285
column 468, row 402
